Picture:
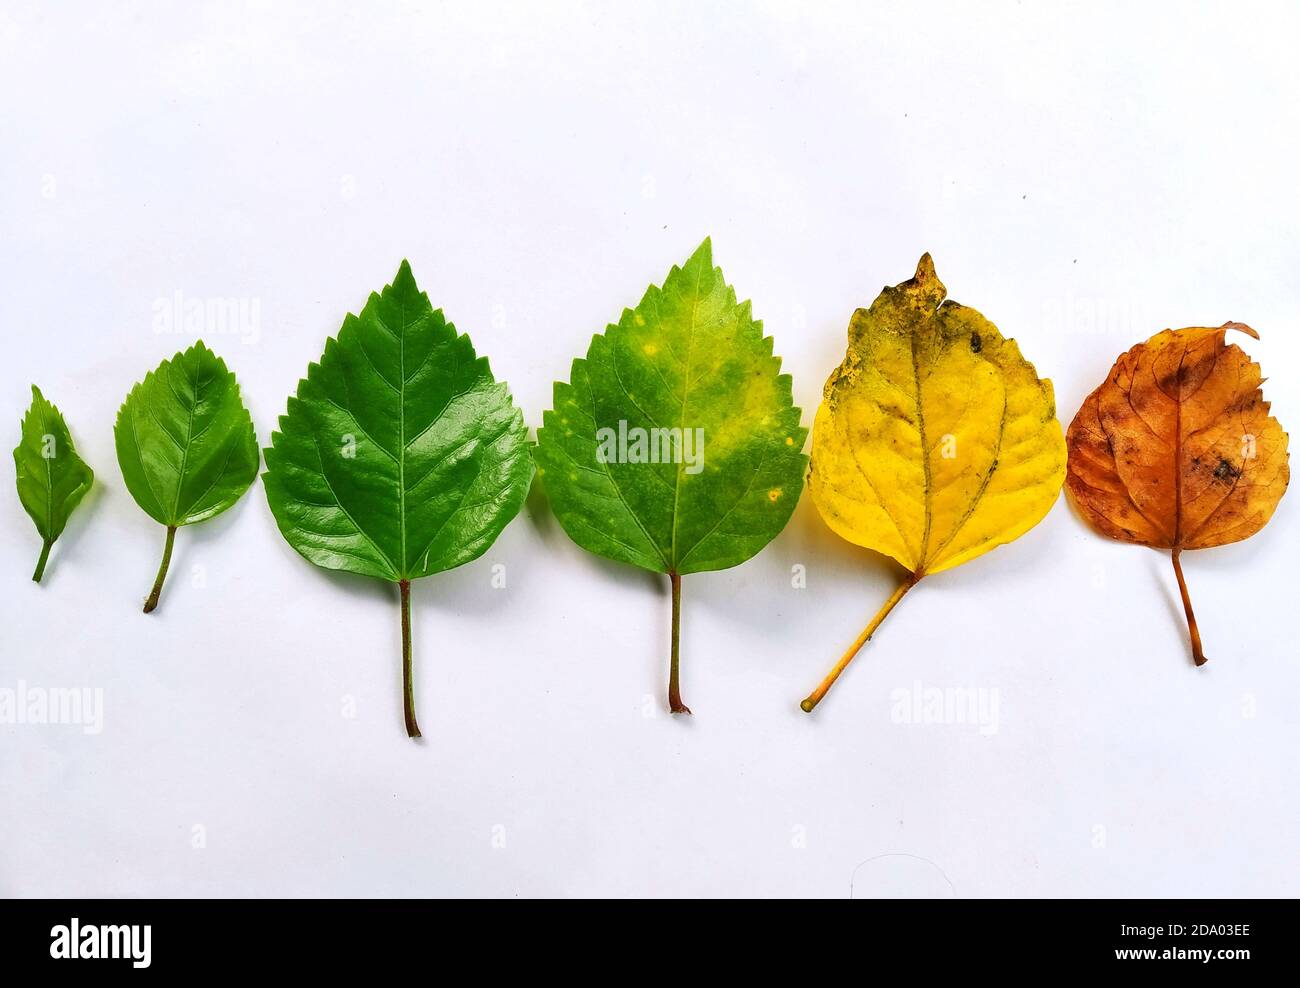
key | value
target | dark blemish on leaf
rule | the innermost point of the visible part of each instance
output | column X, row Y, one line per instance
column 976, row 344
column 1226, row 471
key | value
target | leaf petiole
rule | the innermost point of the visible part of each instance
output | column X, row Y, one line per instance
column 156, row 592
column 815, row 697
column 674, row 670
column 408, row 683
column 1198, row 655
column 40, row 563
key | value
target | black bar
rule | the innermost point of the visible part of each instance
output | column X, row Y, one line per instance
column 433, row 939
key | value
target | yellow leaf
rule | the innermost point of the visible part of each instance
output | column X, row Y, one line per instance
column 935, row 441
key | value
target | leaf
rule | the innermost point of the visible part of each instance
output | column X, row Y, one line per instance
column 675, row 446
column 52, row 478
column 185, row 444
column 1177, row 450
column 935, row 442
column 400, row 455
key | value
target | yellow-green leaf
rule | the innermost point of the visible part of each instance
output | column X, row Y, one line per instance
column 676, row 445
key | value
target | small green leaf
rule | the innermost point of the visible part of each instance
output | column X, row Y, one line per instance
column 52, row 478
column 676, row 445
column 185, row 444
column 400, row 455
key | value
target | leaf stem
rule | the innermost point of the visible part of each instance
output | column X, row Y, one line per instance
column 40, row 563
column 674, row 669
column 815, row 697
column 156, row 592
column 408, row 683
column 1198, row 655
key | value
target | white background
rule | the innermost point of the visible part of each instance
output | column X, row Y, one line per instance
column 1085, row 175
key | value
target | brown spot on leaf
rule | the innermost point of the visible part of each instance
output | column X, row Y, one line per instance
column 1226, row 471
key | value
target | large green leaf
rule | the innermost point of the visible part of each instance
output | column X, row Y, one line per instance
column 676, row 445
column 400, row 455
column 185, row 444
column 52, row 478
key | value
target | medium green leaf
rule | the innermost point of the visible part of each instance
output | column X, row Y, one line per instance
column 400, row 455
column 52, row 478
column 185, row 444
column 675, row 446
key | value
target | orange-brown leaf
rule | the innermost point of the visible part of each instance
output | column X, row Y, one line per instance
column 1177, row 449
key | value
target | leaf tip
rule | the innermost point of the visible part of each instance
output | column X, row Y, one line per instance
column 405, row 276
column 1239, row 326
column 924, row 286
column 925, row 269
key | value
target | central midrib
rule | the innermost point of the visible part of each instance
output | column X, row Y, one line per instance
column 185, row 453
column 681, row 420
column 925, row 455
column 1178, row 452
column 401, row 435
column 49, row 475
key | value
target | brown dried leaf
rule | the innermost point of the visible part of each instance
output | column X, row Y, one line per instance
column 1177, row 449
